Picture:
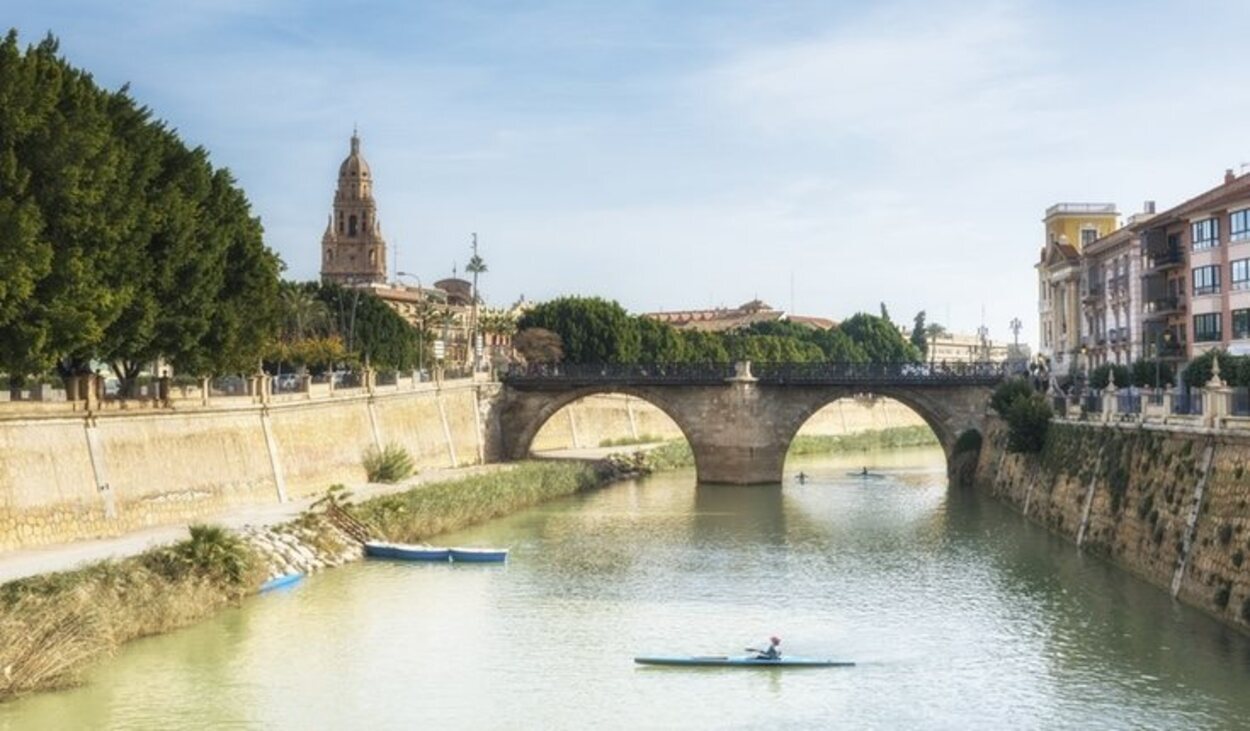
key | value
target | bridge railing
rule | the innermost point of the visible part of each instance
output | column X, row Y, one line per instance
column 797, row 374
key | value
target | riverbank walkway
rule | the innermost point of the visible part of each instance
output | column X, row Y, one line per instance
column 67, row 556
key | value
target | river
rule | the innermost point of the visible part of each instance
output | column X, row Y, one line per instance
column 958, row 612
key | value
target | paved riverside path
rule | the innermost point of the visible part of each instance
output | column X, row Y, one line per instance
column 63, row 556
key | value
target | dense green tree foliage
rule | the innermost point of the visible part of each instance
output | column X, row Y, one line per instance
column 1100, row 377
column 368, row 327
column 879, row 339
column 1234, row 369
column 120, row 244
column 1148, row 373
column 918, row 335
column 593, row 330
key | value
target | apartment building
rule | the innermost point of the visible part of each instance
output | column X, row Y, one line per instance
column 1069, row 229
column 1196, row 273
column 1111, row 297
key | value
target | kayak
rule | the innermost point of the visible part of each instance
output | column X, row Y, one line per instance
column 869, row 476
column 743, row 662
column 280, row 581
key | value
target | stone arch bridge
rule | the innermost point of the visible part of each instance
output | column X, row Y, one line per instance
column 740, row 423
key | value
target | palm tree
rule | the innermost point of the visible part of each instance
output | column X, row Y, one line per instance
column 475, row 267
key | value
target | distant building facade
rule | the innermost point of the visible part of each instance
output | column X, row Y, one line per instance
column 723, row 319
column 1069, row 228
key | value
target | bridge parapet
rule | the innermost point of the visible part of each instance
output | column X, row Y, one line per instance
column 572, row 375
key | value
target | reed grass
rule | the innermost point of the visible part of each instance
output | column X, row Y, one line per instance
column 428, row 510
column 52, row 626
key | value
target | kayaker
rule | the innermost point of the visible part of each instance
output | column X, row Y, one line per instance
column 802, row 478
column 772, row 652
column 865, row 472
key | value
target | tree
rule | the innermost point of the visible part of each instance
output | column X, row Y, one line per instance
column 1149, row 373
column 1028, row 422
column 538, row 345
column 1100, row 377
column 475, row 267
column 933, row 331
column 591, row 329
column 1009, row 392
column 659, row 342
column 878, row 339
column 885, row 313
column 370, row 329
column 918, row 335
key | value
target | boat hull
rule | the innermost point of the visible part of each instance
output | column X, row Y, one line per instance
column 279, row 582
column 478, row 555
column 407, row 552
column 718, row 661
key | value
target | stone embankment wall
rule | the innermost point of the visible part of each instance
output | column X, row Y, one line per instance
column 1170, row 506
column 292, row 549
column 65, row 478
column 594, row 419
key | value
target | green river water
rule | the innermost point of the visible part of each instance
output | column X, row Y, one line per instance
column 958, row 612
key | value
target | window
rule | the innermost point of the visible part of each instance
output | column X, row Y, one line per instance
column 1241, row 274
column 1241, row 325
column 1205, row 233
column 1207, row 328
column 1239, row 225
column 1088, row 236
column 351, row 227
column 1206, row 280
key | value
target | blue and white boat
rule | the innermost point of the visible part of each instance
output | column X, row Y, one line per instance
column 280, row 581
column 479, row 555
column 750, row 661
column 407, row 551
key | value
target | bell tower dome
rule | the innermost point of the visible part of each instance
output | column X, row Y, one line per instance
column 352, row 248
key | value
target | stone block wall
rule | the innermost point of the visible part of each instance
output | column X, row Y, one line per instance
column 181, row 466
column 1172, row 507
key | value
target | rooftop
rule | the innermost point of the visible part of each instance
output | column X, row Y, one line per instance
column 1059, row 209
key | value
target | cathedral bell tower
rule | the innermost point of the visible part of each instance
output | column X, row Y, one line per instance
column 352, row 248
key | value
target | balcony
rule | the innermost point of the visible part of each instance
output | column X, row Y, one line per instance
column 1162, row 307
column 1165, row 260
column 1092, row 292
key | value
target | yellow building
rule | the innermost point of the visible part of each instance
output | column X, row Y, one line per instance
column 1069, row 228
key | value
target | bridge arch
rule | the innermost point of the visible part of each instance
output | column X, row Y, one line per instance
column 526, row 423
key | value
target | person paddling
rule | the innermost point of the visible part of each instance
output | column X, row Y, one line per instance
column 865, row 472
column 772, row 652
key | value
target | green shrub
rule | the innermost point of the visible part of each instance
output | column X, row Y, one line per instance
column 1100, row 377
column 212, row 552
column 1028, row 420
column 388, row 465
column 1008, row 393
column 969, row 441
column 1146, row 373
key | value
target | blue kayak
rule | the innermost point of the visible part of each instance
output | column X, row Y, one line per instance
column 279, row 582
column 749, row 661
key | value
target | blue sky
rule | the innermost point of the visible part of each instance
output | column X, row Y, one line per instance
column 690, row 154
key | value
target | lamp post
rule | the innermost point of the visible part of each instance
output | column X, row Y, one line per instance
column 1162, row 338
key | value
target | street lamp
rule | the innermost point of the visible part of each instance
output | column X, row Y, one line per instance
column 1162, row 338
column 407, row 274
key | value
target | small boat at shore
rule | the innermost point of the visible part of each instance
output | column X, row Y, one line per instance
column 406, row 551
column 479, row 555
column 280, row 581
column 724, row 661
